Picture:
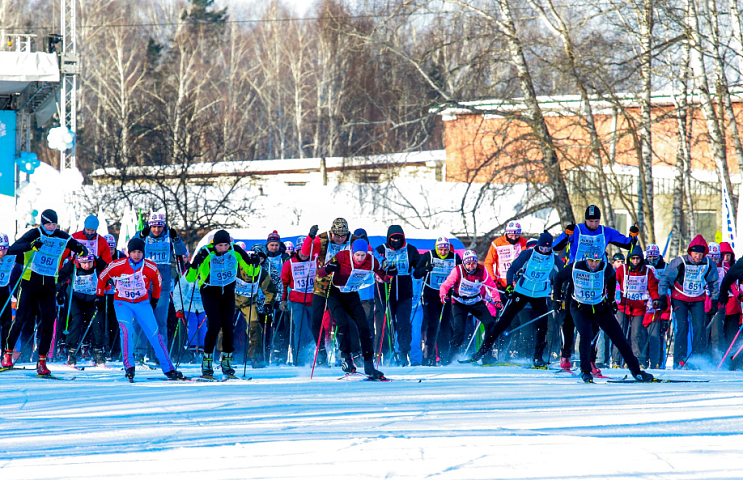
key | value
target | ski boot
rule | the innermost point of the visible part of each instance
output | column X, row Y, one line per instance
column 41, row 368
column 539, row 363
column 7, row 359
column 226, row 364
column 99, row 358
column 174, row 375
column 586, row 377
column 347, row 364
column 595, row 370
column 643, row 376
column 71, row 360
column 206, row 365
column 372, row 372
column 565, row 364
column 129, row 375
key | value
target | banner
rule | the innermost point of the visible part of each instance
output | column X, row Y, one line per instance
column 7, row 152
column 729, row 233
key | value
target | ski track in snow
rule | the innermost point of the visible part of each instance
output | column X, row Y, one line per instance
column 458, row 422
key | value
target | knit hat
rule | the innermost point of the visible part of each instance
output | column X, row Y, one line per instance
column 513, row 228
column 157, row 219
column 593, row 213
column 289, row 246
column 361, row 233
column 545, row 239
column 617, row 256
column 49, row 216
column 697, row 249
column 91, row 222
column 469, row 256
column 4, row 242
column 110, row 240
column 273, row 237
column 221, row 237
column 443, row 241
column 340, row 227
column 360, row 245
column 135, row 244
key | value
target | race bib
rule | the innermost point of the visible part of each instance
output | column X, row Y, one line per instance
column 470, row 289
column 304, row 276
column 86, row 284
column 6, row 267
column 334, row 249
column 506, row 255
column 157, row 249
column 245, row 289
column 694, row 279
column 588, row 286
column 222, row 270
column 636, row 287
column 91, row 245
column 590, row 244
column 357, row 280
column 441, row 270
column 46, row 260
column 398, row 258
column 131, row 287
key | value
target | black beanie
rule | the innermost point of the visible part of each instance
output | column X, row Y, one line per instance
column 697, row 248
column 593, row 213
column 221, row 237
column 135, row 244
column 49, row 216
column 545, row 239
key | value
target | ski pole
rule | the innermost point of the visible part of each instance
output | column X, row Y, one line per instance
column 381, row 337
column 736, row 353
column 82, row 339
column 438, row 329
column 472, row 338
column 507, row 333
column 730, row 347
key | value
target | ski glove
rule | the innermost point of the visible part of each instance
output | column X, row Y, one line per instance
column 429, row 268
column 313, row 231
column 392, row 270
column 173, row 233
column 283, row 306
column 657, row 305
column 723, row 301
column 254, row 259
column 443, row 298
column 508, row 293
column 61, row 298
column 200, row 257
column 100, row 303
column 268, row 308
column 634, row 231
column 570, row 229
column 37, row 244
column 145, row 232
column 332, row 267
column 82, row 250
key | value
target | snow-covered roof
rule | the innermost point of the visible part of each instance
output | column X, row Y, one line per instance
column 19, row 69
column 290, row 165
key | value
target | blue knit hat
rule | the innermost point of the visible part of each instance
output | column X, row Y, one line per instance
column 91, row 222
column 360, row 245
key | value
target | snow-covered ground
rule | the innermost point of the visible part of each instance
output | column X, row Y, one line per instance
column 455, row 422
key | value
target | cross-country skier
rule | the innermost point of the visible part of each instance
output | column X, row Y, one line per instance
column 137, row 292
column 42, row 249
column 278, row 321
column 164, row 247
column 83, row 305
column 502, row 253
column 638, row 289
column 190, row 310
column 114, row 347
column 724, row 328
column 434, row 267
column 255, row 292
column 96, row 244
column 215, row 268
column 337, row 239
column 405, row 257
column 9, row 272
column 466, row 285
column 530, row 278
column 298, row 277
column 588, row 237
column 591, row 283
column 350, row 271
column 690, row 277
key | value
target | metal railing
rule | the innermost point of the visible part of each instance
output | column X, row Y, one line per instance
column 18, row 42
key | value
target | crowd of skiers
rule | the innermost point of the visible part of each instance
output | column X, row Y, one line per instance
column 333, row 295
